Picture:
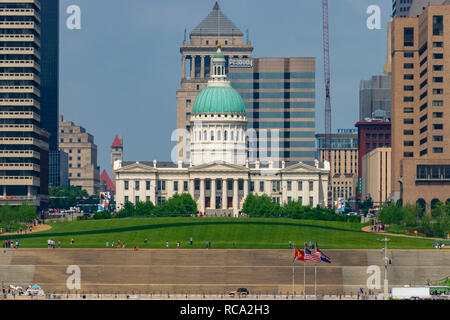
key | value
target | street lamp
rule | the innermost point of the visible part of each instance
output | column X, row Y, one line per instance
column 386, row 291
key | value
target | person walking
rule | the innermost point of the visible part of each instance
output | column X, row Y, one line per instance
column 167, row 244
column 59, row 244
column 290, row 244
column 207, row 245
column 112, row 244
column 107, row 243
column 190, row 240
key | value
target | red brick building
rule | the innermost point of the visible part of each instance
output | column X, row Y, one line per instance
column 371, row 135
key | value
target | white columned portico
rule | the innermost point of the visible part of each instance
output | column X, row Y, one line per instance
column 224, row 194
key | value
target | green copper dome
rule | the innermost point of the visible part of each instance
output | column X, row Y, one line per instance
column 219, row 100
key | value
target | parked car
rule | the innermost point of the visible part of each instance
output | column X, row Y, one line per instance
column 35, row 291
column 239, row 292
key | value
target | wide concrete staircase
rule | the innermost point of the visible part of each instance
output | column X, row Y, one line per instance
column 216, row 271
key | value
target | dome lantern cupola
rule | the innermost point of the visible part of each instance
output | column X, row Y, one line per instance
column 219, row 96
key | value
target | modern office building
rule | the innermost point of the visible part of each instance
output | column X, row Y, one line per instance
column 420, row 99
column 279, row 97
column 372, row 134
column 24, row 143
column 49, row 86
column 219, row 175
column 374, row 94
column 376, row 175
column 418, row 6
column 59, row 171
column 343, row 164
column 82, row 151
column 279, row 93
column 401, row 8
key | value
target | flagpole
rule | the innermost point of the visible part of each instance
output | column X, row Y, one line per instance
column 315, row 281
column 304, row 279
column 293, row 273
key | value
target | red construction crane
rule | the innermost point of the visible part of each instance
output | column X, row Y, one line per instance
column 327, row 79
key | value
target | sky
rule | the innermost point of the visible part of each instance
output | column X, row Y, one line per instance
column 119, row 73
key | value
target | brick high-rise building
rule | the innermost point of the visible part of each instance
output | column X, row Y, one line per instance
column 24, row 143
column 372, row 134
column 420, row 101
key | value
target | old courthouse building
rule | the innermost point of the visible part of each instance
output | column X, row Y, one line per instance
column 219, row 175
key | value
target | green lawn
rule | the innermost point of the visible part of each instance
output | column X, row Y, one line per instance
column 254, row 233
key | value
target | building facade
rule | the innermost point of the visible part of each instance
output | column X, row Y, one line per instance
column 343, row 165
column 24, row 143
column 49, row 86
column 371, row 135
column 279, row 96
column 219, row 175
column 376, row 175
column 374, row 94
column 278, row 93
column 401, row 8
column 420, row 96
column 82, row 152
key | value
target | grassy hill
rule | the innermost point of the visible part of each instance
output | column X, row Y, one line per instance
column 254, row 233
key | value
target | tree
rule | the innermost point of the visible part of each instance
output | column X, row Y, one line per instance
column 64, row 198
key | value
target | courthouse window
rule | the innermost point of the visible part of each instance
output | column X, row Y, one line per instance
column 408, row 37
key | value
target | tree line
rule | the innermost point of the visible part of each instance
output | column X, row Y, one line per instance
column 12, row 217
column 414, row 218
column 264, row 206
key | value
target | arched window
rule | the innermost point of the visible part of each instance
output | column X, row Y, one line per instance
column 434, row 202
column 421, row 203
column 232, row 135
column 199, row 136
column 218, row 135
column 212, row 135
column 225, row 135
column 205, row 135
column 237, row 135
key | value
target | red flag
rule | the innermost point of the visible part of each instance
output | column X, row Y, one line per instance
column 299, row 255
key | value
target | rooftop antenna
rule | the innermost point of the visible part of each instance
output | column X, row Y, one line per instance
column 246, row 34
column 184, row 41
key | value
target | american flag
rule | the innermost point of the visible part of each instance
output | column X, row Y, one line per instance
column 312, row 256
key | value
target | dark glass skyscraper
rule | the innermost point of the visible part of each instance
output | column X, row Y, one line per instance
column 49, row 83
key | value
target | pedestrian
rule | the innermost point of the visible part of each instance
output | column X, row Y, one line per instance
column 107, row 243
column 59, row 244
column 290, row 244
column 145, row 240
column 190, row 240
column 178, row 244
column 209, row 244
column 112, row 244
column 17, row 244
column 118, row 243
column 48, row 243
column 167, row 244
column 124, row 245
column 375, row 228
column 206, row 245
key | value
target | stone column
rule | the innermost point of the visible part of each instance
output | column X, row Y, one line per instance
column 235, row 198
column 224, row 194
column 183, row 67
column 245, row 188
column 202, row 195
column 213, row 194
column 192, row 188
column 192, row 67
column 153, row 191
column 202, row 66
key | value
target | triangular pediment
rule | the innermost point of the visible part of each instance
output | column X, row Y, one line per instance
column 301, row 167
column 136, row 167
column 218, row 166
